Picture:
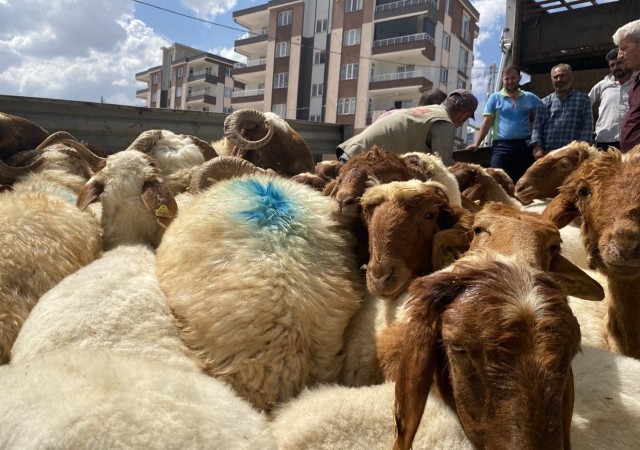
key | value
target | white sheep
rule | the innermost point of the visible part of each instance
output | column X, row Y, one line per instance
column 262, row 283
column 605, row 413
column 434, row 168
column 94, row 398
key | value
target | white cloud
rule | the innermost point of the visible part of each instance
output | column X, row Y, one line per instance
column 229, row 53
column 208, row 9
column 492, row 13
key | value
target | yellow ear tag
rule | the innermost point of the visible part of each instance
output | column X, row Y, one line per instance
column 477, row 202
column 163, row 211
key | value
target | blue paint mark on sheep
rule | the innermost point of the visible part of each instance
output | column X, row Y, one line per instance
column 272, row 208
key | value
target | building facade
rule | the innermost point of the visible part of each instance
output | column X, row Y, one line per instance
column 189, row 79
column 347, row 61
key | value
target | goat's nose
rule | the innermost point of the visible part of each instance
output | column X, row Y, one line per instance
column 343, row 203
column 521, row 185
column 379, row 280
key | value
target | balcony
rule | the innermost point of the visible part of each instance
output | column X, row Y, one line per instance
column 142, row 93
column 252, row 45
column 247, row 96
column 256, row 65
column 403, row 43
column 202, row 75
column 406, row 7
column 201, row 97
column 398, row 80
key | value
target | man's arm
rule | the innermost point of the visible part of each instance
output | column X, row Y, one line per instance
column 443, row 134
column 586, row 133
column 487, row 123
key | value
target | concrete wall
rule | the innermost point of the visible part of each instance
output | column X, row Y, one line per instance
column 114, row 127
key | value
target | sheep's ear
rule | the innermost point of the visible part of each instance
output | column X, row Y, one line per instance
column 567, row 410
column 159, row 201
column 573, row 280
column 448, row 245
column 562, row 209
column 414, row 344
column 90, row 193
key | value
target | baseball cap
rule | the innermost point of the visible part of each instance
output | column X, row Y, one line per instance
column 467, row 100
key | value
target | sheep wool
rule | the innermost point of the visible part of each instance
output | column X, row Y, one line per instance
column 262, row 283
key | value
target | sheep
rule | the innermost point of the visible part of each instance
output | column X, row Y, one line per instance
column 266, row 140
column 43, row 236
column 177, row 154
column 328, row 169
column 435, row 170
column 80, row 398
column 543, row 178
column 312, row 180
column 511, row 385
column 604, row 193
column 18, row 134
column 262, row 283
column 605, row 412
column 503, row 179
column 114, row 302
column 476, row 184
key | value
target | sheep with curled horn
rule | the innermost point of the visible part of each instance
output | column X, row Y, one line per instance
column 265, row 140
column 178, row 155
column 18, row 134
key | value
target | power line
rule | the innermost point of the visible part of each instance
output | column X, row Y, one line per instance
column 244, row 31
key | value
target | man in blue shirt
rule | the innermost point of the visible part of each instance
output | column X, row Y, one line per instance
column 509, row 114
column 564, row 116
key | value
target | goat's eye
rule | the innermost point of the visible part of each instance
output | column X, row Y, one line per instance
column 555, row 248
column 459, row 349
column 430, row 216
column 583, row 191
column 478, row 230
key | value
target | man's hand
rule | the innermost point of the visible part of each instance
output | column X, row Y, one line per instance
column 538, row 152
column 473, row 147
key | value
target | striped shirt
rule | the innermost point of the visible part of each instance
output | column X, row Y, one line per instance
column 562, row 120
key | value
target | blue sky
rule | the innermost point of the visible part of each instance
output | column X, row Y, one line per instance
column 90, row 50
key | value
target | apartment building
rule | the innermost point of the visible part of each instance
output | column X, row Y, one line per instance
column 347, row 61
column 189, row 79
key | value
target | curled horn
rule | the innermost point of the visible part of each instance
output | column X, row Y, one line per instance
column 207, row 150
column 90, row 157
column 26, row 157
column 10, row 174
column 245, row 123
column 55, row 138
column 146, row 140
column 218, row 169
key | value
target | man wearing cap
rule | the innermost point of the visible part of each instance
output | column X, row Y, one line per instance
column 429, row 129
column 509, row 114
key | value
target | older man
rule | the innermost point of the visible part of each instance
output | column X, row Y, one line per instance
column 429, row 129
column 564, row 115
column 611, row 94
column 627, row 38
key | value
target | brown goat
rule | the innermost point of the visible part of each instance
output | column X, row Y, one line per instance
column 499, row 338
column 503, row 180
column 312, row 180
column 328, row 169
column 543, row 178
column 402, row 218
column 478, row 185
column 605, row 193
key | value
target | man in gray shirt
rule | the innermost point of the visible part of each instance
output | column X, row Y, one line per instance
column 429, row 129
column 612, row 97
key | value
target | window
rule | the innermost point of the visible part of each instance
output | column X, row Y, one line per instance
column 317, row 90
column 446, row 41
column 346, row 106
column 284, row 17
column 205, row 108
column 227, row 110
column 402, row 104
column 228, row 92
column 429, row 28
column 351, row 37
column 280, row 80
column 448, row 7
column 154, row 96
column 179, row 72
column 466, row 28
column 179, row 91
column 444, row 75
column 280, row 109
column 405, row 72
column 154, row 79
column 462, row 60
column 349, row 71
column 228, row 72
column 318, row 56
column 282, row 49
column 321, row 25
column 314, row 117
column 462, row 84
column 352, row 5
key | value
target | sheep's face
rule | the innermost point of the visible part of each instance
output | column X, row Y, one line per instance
column 499, row 337
column 402, row 219
column 465, row 174
column 547, row 174
column 607, row 195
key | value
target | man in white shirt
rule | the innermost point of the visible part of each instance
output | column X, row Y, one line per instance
column 612, row 97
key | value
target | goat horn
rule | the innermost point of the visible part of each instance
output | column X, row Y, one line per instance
column 54, row 138
column 23, row 158
column 207, row 150
column 10, row 174
column 248, row 121
column 146, row 140
column 85, row 153
column 218, row 169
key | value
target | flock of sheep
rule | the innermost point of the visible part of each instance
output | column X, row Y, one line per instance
column 185, row 294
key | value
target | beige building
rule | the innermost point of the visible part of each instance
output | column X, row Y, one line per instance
column 189, row 79
column 347, row 61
